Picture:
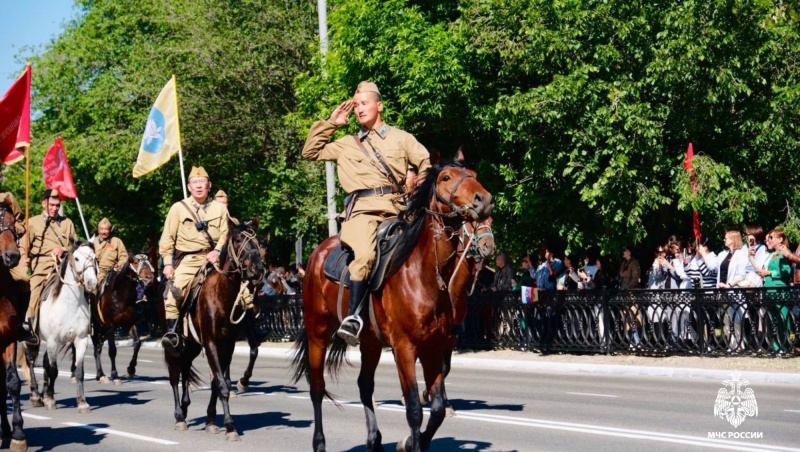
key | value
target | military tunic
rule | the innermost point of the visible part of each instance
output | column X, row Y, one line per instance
column 180, row 234
column 109, row 253
column 358, row 172
column 38, row 244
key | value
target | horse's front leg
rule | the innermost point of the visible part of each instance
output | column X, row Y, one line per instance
column 112, row 354
column 137, row 344
column 31, row 353
column 244, row 383
column 431, row 360
column 370, row 357
column 219, row 358
column 174, row 370
column 80, row 353
column 12, row 388
column 5, row 427
column 50, row 365
column 97, row 343
column 405, row 358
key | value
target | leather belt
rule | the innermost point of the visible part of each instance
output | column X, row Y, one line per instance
column 377, row 191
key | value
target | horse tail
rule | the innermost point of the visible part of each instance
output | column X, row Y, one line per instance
column 300, row 366
column 337, row 356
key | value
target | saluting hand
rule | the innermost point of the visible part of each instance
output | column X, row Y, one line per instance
column 342, row 112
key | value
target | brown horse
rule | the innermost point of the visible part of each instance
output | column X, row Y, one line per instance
column 9, row 378
column 117, row 308
column 414, row 310
column 214, row 324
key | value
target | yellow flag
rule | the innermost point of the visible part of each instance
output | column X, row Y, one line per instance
column 162, row 136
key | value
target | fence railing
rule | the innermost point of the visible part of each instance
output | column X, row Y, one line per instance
column 677, row 321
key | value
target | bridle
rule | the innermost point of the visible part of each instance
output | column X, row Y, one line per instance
column 238, row 254
column 91, row 262
column 455, row 210
column 144, row 262
column 6, row 224
column 473, row 239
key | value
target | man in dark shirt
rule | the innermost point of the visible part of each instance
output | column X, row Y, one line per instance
column 503, row 275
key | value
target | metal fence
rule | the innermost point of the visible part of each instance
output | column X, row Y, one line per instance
column 678, row 321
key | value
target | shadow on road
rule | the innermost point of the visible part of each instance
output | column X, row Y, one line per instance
column 467, row 405
column 444, row 445
column 47, row 438
column 106, row 398
column 255, row 421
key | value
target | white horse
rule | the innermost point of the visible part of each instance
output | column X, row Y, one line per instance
column 64, row 318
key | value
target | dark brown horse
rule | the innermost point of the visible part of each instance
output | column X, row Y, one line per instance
column 214, row 326
column 9, row 379
column 117, row 308
column 414, row 310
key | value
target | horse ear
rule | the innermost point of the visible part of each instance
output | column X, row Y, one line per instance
column 459, row 157
column 435, row 156
column 6, row 199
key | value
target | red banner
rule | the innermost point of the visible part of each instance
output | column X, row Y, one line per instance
column 687, row 164
column 15, row 119
column 55, row 169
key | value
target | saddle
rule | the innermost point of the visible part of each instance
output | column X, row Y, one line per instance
column 188, row 303
column 388, row 236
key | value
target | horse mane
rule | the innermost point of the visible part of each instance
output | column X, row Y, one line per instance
column 55, row 282
column 115, row 275
column 416, row 210
column 237, row 229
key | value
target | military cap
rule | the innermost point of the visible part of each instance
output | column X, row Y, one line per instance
column 50, row 193
column 221, row 194
column 368, row 87
column 104, row 222
column 198, row 171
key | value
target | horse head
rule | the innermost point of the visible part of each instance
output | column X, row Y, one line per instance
column 453, row 191
column 84, row 263
column 477, row 239
column 243, row 250
column 8, row 233
column 140, row 265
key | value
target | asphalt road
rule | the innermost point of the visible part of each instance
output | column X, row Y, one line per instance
column 497, row 410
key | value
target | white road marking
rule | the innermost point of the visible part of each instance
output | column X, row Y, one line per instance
column 591, row 395
column 144, row 361
column 124, row 434
column 599, row 430
column 34, row 416
column 299, row 397
column 793, row 411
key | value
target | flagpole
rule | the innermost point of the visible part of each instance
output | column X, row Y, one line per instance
column 183, row 176
column 80, row 212
column 27, row 187
column 180, row 145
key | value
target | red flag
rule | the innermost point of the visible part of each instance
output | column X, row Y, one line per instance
column 15, row 119
column 687, row 164
column 55, row 169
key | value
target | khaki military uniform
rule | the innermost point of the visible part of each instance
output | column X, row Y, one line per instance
column 181, row 235
column 20, row 272
column 38, row 244
column 109, row 253
column 357, row 172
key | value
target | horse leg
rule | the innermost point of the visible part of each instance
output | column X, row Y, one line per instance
column 72, row 378
column 80, row 353
column 370, row 356
column 97, row 342
column 405, row 357
column 31, row 352
column 219, row 358
column 448, row 357
column 174, row 378
column 50, row 365
column 12, row 387
column 137, row 344
column 211, row 410
column 317, row 349
column 431, row 361
column 5, row 427
column 244, row 383
column 112, row 354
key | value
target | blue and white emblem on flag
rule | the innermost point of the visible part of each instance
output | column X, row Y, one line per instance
column 154, row 132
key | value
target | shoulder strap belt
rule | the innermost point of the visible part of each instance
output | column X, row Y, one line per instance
column 197, row 220
column 383, row 168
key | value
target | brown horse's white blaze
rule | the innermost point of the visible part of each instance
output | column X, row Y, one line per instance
column 415, row 310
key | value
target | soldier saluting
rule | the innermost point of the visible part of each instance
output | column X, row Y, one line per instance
column 195, row 232
column 371, row 166
column 48, row 236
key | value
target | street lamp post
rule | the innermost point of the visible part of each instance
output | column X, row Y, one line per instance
column 329, row 166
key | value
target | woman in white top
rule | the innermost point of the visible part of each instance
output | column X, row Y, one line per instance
column 731, row 266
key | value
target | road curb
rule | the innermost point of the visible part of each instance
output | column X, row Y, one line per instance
column 520, row 365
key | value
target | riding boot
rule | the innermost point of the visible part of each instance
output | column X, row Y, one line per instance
column 172, row 340
column 352, row 324
column 26, row 333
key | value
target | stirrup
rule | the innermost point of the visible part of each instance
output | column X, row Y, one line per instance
column 171, row 343
column 347, row 335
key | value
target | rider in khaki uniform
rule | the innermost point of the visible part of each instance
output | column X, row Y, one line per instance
column 47, row 238
column 110, row 251
column 188, row 227
column 372, row 168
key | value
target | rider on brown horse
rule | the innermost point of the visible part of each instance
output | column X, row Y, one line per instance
column 195, row 231
column 110, row 251
column 372, row 168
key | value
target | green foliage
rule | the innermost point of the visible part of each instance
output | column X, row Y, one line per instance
column 235, row 62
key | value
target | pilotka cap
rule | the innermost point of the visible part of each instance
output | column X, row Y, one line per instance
column 367, row 87
column 198, row 171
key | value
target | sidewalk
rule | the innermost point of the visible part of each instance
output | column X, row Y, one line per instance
column 770, row 370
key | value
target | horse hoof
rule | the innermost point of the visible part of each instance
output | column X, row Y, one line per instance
column 401, row 445
column 117, row 382
column 19, row 445
column 212, row 429
column 231, row 395
column 104, row 380
column 449, row 411
column 84, row 408
column 181, row 426
column 36, row 402
column 130, row 375
column 242, row 387
column 49, row 404
column 232, row 436
column 73, row 380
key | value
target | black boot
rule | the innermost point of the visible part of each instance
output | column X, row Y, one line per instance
column 352, row 324
column 26, row 333
column 172, row 340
